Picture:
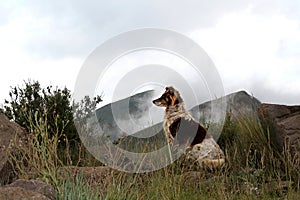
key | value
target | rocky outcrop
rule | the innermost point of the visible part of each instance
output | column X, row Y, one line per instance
column 11, row 134
column 284, row 124
column 27, row 189
column 16, row 193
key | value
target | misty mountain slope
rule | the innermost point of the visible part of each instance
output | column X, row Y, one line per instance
column 127, row 115
column 131, row 115
column 236, row 103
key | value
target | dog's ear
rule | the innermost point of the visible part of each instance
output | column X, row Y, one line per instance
column 170, row 90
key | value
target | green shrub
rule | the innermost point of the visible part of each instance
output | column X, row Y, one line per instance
column 55, row 104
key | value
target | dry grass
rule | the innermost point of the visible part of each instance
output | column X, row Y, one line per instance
column 254, row 169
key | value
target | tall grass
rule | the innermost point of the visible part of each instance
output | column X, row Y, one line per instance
column 38, row 156
column 254, row 149
column 76, row 188
column 254, row 169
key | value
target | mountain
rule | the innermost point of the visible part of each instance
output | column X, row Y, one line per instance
column 126, row 116
column 236, row 103
column 136, row 114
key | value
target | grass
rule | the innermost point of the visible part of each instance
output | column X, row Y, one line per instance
column 254, row 169
column 76, row 188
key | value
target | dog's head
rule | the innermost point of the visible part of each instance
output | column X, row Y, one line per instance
column 170, row 97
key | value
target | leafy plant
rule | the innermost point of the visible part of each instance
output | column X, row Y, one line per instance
column 55, row 104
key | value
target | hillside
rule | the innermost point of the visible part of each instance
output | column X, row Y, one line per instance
column 125, row 116
column 135, row 114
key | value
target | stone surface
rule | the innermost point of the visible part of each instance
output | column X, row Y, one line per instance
column 284, row 124
column 35, row 186
column 10, row 134
column 18, row 193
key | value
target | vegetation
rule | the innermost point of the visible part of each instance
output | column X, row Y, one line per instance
column 50, row 110
column 254, row 169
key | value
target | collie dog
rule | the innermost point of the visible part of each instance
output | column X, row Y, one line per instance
column 183, row 130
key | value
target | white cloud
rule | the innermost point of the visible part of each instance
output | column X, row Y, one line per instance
column 151, row 69
column 49, row 42
column 248, row 47
column 17, row 66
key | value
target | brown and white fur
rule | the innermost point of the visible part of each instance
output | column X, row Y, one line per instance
column 181, row 129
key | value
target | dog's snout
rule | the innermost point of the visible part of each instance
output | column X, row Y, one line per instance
column 156, row 102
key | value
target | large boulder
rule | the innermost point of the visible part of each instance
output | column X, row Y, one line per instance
column 17, row 193
column 284, row 124
column 11, row 134
column 27, row 189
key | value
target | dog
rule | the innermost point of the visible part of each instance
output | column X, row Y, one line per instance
column 182, row 130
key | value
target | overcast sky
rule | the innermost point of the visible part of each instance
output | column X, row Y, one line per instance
column 255, row 45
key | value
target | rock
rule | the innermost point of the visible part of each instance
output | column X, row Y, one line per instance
column 35, row 186
column 17, row 193
column 284, row 123
column 10, row 134
column 27, row 189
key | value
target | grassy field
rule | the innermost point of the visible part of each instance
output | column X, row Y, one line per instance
column 254, row 169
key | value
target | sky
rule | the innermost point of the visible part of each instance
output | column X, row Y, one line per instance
column 254, row 44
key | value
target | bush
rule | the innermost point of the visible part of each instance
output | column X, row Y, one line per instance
column 54, row 104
